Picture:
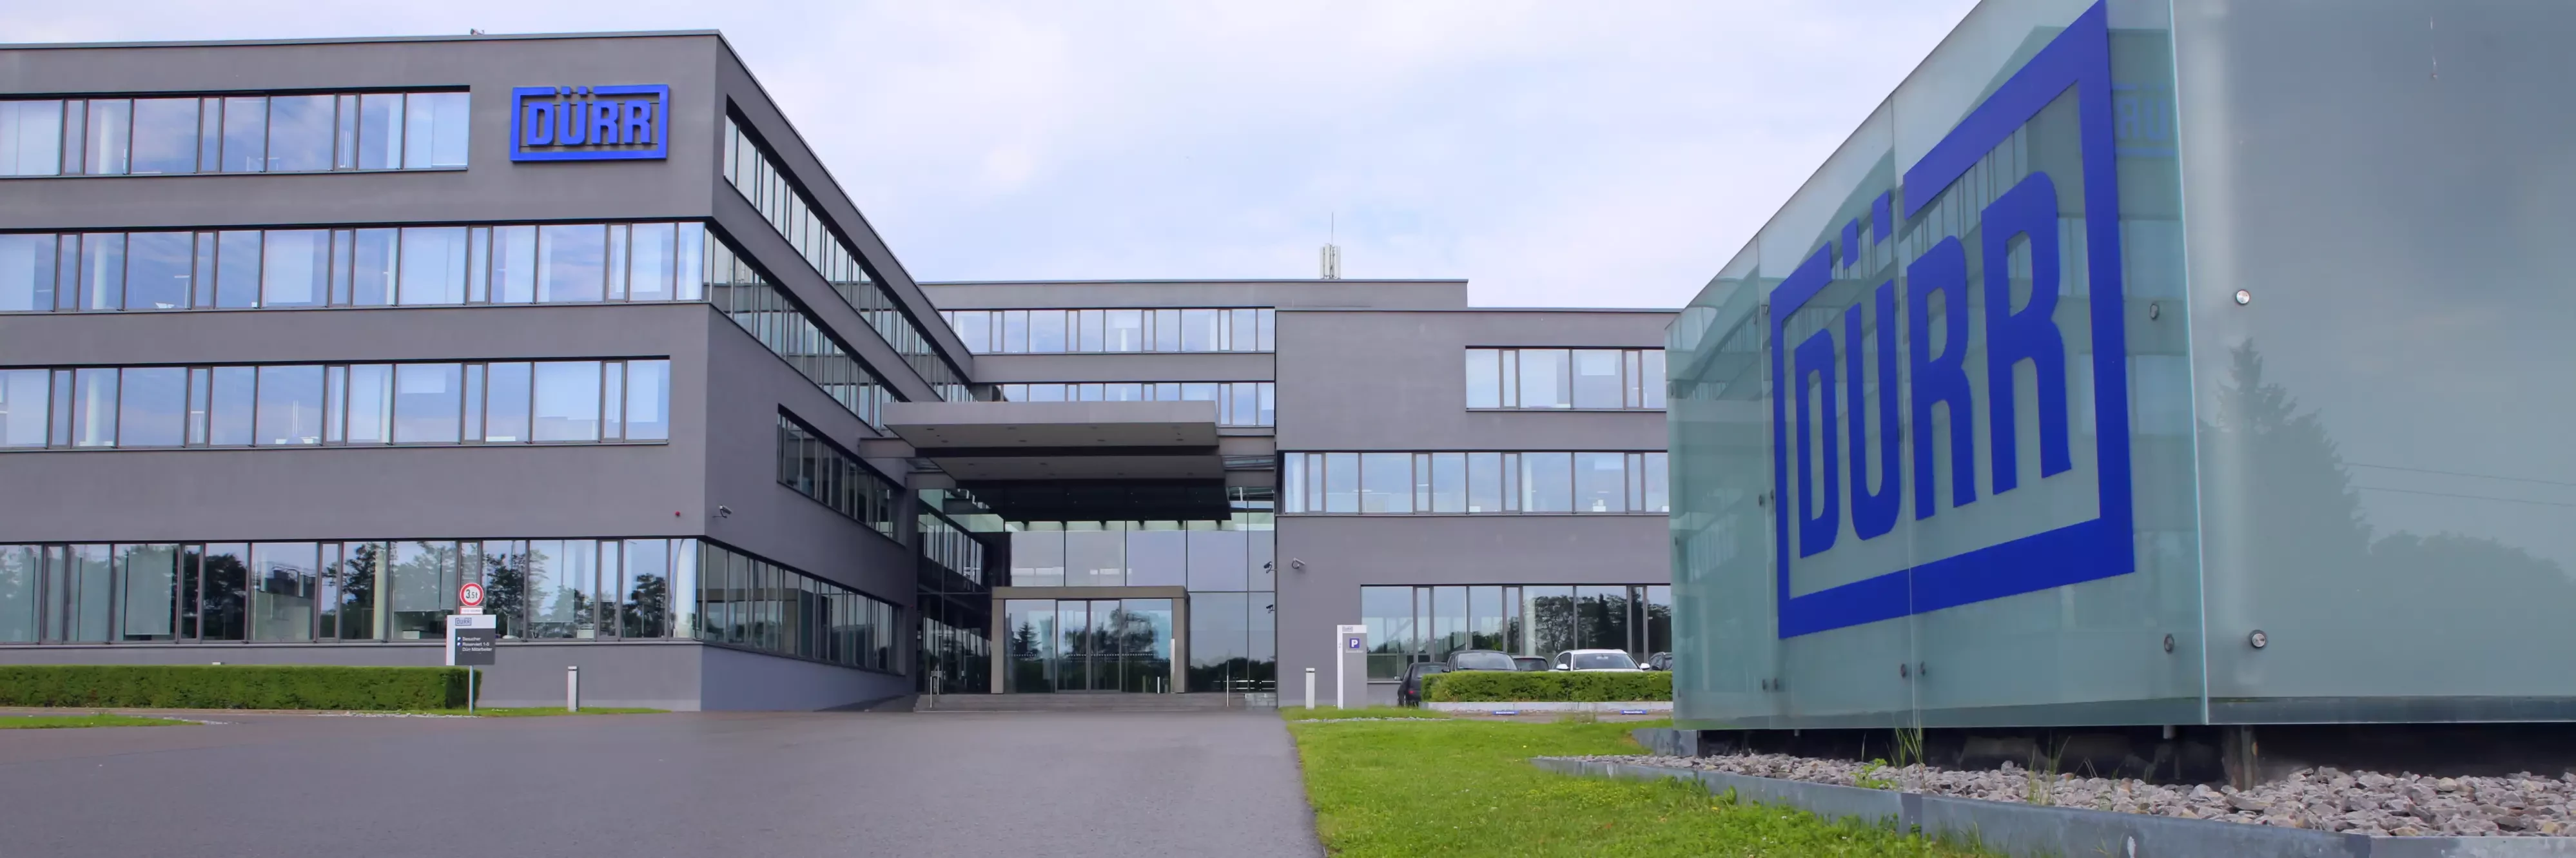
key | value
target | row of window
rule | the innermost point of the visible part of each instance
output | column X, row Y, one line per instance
column 1565, row 378
column 1238, row 403
column 753, row 172
column 542, row 589
column 951, row 548
column 817, row 468
column 507, row 402
column 1427, row 623
column 374, row 267
column 1218, row 329
column 342, row 591
column 1473, row 483
column 1195, row 554
column 774, row 318
column 234, row 134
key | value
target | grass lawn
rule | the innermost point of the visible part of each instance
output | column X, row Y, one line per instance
column 1465, row 787
column 101, row 719
column 1300, row 713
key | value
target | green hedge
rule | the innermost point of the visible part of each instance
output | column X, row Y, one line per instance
column 1496, row 686
column 233, row 687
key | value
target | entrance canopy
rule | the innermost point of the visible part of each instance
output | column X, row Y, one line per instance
column 1022, row 441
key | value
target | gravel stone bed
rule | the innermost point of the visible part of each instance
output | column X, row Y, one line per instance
column 2324, row 799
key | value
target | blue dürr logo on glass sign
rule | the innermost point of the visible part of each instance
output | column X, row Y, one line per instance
column 1958, row 554
column 590, row 123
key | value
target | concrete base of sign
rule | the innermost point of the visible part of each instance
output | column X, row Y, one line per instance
column 1652, row 706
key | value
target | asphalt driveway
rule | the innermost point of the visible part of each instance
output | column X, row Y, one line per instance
column 819, row 784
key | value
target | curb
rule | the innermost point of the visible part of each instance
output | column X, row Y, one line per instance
column 2030, row 830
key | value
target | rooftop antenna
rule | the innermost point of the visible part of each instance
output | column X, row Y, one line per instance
column 477, row 31
column 1332, row 252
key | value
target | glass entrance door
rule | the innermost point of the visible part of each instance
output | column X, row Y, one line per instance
column 1089, row 645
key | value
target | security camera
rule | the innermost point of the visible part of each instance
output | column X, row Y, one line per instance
column 723, row 511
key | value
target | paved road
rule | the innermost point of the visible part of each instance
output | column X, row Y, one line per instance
column 820, row 784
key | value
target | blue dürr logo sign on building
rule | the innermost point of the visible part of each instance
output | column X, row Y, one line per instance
column 2024, row 485
column 590, row 123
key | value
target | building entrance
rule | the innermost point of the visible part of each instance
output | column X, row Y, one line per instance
column 1069, row 645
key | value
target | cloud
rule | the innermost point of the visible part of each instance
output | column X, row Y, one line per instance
column 1555, row 154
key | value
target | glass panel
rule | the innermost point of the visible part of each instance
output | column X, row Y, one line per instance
column 245, row 135
column 370, row 403
column 643, row 606
column 31, row 138
column 1244, row 335
column 237, row 276
column 1221, row 559
column 1037, row 558
column 152, row 407
column 102, row 271
column 558, row 576
column 1657, row 498
column 433, row 264
column 428, row 402
column 92, row 596
column 380, row 131
column 223, row 596
column 1090, row 334
column 1388, row 613
column 150, row 577
column 21, row 566
column 1546, row 379
column 1547, row 482
column 434, row 127
column 165, row 136
column 290, row 405
column 573, row 263
column 295, row 267
column 1341, row 482
column 1448, row 482
column 231, row 406
column 158, row 266
column 1166, row 330
column 1596, row 382
column 567, row 401
column 1652, row 362
column 1448, row 622
column 1158, row 557
column 1095, row 557
column 974, row 328
column 1031, row 649
column 423, row 588
column 648, row 400
column 1484, row 378
column 1484, row 482
column 26, row 269
column 1126, row 330
column 1144, row 628
column 23, row 396
column 110, row 120
column 1046, row 331
column 514, row 264
column 282, row 578
column 1550, row 617
column 94, row 408
column 300, row 132
column 1198, row 330
column 1386, row 482
column 1600, row 481
column 1015, row 332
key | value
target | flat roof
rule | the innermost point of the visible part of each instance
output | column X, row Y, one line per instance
column 355, row 40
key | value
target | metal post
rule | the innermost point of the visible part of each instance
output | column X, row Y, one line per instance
column 1337, row 679
column 572, row 688
column 1310, row 688
column 470, row 675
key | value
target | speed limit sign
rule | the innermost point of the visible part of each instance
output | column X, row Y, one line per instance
column 470, row 595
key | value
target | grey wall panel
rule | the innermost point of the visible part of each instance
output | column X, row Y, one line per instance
column 1221, row 366
column 741, row 467
column 658, row 675
column 737, row 680
column 1397, row 381
column 494, row 188
column 1344, row 553
column 1384, row 294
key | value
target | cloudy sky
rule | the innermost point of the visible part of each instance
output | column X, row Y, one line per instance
column 1554, row 154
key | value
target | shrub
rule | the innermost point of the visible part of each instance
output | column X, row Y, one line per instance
column 1495, row 686
column 233, row 687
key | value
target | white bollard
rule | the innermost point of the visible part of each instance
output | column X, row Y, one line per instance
column 572, row 688
column 1310, row 688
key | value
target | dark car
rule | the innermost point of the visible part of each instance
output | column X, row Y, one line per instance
column 1481, row 659
column 1409, row 692
column 1529, row 662
column 1658, row 661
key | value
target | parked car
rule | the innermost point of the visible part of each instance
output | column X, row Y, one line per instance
column 1599, row 660
column 1409, row 692
column 1659, row 661
column 1530, row 663
column 1481, row 659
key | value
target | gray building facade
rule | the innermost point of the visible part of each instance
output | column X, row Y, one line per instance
column 296, row 338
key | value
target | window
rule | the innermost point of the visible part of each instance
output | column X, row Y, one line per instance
column 752, row 171
column 818, row 468
column 752, row 603
column 1473, row 483
column 239, row 134
column 1204, row 329
column 334, row 404
column 1427, row 623
column 1553, row 379
column 770, row 315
